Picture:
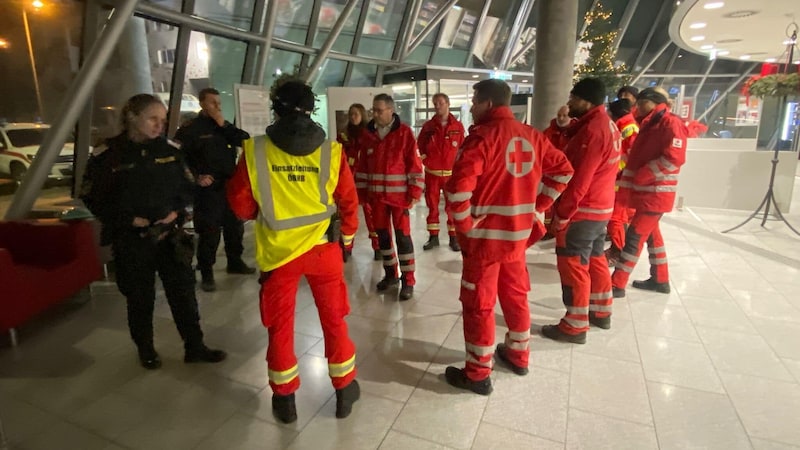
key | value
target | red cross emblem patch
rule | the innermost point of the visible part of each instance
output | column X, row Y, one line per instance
column 519, row 157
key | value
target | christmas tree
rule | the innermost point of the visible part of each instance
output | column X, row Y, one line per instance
column 598, row 43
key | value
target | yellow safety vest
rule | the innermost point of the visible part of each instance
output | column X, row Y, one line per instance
column 294, row 196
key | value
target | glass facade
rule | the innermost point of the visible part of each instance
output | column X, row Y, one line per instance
column 174, row 52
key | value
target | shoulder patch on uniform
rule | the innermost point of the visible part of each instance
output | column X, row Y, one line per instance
column 677, row 142
column 175, row 144
column 99, row 149
column 165, row 160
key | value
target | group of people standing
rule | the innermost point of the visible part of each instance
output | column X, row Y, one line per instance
column 303, row 190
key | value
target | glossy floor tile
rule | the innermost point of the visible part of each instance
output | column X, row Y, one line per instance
column 715, row 364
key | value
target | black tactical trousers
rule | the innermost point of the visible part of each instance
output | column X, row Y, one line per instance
column 213, row 219
column 137, row 260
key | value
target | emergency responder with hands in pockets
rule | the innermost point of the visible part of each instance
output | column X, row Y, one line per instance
column 209, row 143
column 494, row 202
column 138, row 186
column 292, row 181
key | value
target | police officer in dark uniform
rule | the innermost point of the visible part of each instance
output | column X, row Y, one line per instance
column 139, row 187
column 209, row 143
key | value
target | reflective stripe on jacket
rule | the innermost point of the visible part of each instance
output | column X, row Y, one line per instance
column 439, row 144
column 593, row 150
column 493, row 189
column 650, row 179
column 294, row 196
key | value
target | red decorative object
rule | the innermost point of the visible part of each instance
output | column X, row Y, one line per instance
column 769, row 69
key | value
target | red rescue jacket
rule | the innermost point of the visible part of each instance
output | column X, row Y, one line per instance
column 438, row 145
column 389, row 170
column 628, row 129
column 349, row 138
column 650, row 180
column 557, row 135
column 493, row 190
column 593, row 150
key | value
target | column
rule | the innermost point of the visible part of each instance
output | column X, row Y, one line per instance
column 555, row 53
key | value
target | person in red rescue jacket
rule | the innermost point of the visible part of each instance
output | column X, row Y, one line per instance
column 557, row 131
column 493, row 199
column 350, row 138
column 648, row 184
column 438, row 143
column 389, row 178
column 620, row 112
column 582, row 213
column 292, row 181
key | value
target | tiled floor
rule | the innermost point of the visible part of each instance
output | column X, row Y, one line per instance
column 715, row 364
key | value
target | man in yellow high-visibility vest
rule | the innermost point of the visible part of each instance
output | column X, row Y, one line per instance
column 292, row 182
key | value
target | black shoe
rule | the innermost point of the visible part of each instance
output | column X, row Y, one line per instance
column 651, row 285
column 618, row 292
column 283, row 408
column 240, row 268
column 387, row 282
column 204, row 354
column 555, row 333
column 548, row 237
column 377, row 256
column 457, row 378
column 600, row 322
column 346, row 255
column 454, row 244
column 406, row 292
column 148, row 358
column 500, row 352
column 345, row 398
column 433, row 242
column 208, row 284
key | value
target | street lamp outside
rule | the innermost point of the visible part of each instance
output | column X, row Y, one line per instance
column 37, row 4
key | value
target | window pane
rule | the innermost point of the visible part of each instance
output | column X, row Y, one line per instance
column 280, row 62
column 328, row 15
column 238, row 13
column 363, row 74
column 293, row 19
column 381, row 28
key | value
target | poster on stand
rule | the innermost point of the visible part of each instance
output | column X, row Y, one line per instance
column 748, row 112
column 252, row 108
column 339, row 101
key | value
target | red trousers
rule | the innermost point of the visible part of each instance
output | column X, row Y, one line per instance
column 616, row 225
column 373, row 236
column 323, row 268
column 643, row 227
column 482, row 282
column 433, row 187
column 384, row 217
column 585, row 280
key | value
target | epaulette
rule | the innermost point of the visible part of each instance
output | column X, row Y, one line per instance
column 98, row 150
column 175, row 144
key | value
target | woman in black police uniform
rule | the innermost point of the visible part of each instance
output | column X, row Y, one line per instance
column 139, row 187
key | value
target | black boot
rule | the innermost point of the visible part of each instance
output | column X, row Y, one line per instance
column 345, row 398
column 208, row 284
column 433, row 242
column 283, row 408
column 502, row 356
column 148, row 357
column 406, row 292
column 237, row 266
column 555, row 333
column 618, row 292
column 377, row 256
column 652, row 285
column 201, row 353
column 454, row 244
column 389, row 280
column 600, row 322
column 457, row 378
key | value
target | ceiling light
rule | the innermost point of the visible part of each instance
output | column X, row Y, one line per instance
column 402, row 87
column 524, row 81
column 706, row 47
column 723, row 53
column 697, row 38
column 770, row 60
column 714, row 5
column 789, row 42
column 744, row 57
column 475, row 76
column 797, row 62
column 697, row 25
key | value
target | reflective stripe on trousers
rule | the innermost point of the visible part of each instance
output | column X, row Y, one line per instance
column 643, row 228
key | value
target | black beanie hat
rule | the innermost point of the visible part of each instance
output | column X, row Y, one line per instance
column 590, row 89
column 619, row 108
column 293, row 97
column 629, row 89
column 652, row 95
